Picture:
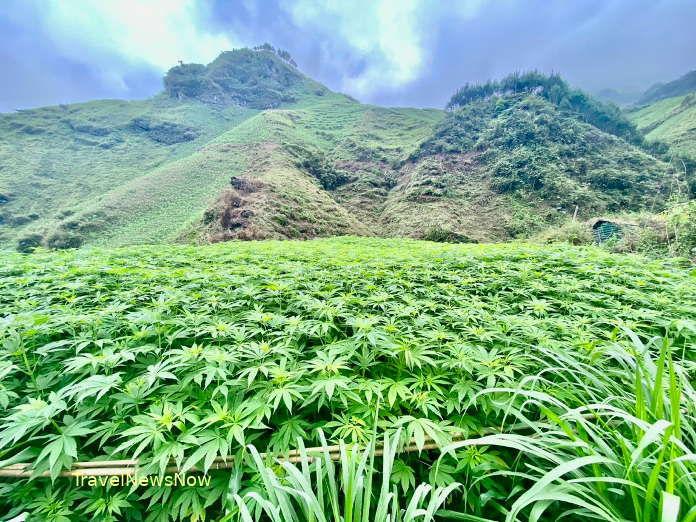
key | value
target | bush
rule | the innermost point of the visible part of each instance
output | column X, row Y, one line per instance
column 682, row 220
column 573, row 232
column 165, row 132
column 538, row 153
column 442, row 235
column 319, row 167
column 63, row 240
column 607, row 117
column 29, row 243
column 185, row 80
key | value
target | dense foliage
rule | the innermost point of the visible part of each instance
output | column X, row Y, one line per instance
column 185, row 80
column 186, row 354
column 317, row 165
column 261, row 78
column 536, row 151
column 607, row 117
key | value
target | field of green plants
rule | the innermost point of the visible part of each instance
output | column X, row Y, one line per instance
column 528, row 382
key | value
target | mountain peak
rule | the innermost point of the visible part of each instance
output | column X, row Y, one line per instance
column 258, row 78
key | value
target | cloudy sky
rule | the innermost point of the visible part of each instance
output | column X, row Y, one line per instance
column 390, row 52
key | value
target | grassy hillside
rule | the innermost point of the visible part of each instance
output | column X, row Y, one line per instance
column 56, row 160
column 671, row 121
column 189, row 353
column 249, row 148
column 679, row 87
column 119, row 173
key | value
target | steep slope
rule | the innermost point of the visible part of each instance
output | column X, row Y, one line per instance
column 246, row 183
column 76, row 173
column 55, row 160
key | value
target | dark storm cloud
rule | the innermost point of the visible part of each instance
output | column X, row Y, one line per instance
column 391, row 52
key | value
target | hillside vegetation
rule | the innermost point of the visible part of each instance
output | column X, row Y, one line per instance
column 679, row 87
column 560, row 375
column 247, row 147
column 671, row 121
column 542, row 162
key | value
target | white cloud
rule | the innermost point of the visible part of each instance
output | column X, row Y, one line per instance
column 393, row 36
column 386, row 42
column 157, row 32
column 385, row 32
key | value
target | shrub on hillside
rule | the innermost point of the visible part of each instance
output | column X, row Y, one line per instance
column 185, row 80
column 536, row 152
column 259, row 78
column 607, row 117
column 573, row 232
column 323, row 170
column 682, row 220
column 63, row 240
column 165, row 132
column 442, row 235
column 29, row 243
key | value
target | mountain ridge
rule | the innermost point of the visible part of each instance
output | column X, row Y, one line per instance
column 683, row 85
column 226, row 152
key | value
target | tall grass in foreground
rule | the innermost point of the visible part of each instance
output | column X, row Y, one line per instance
column 625, row 453
column 324, row 491
column 619, row 447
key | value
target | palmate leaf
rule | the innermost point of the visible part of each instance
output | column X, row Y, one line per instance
column 29, row 418
column 290, row 431
column 327, row 386
column 396, row 390
column 107, row 505
column 146, row 433
column 210, row 445
column 286, row 393
column 108, row 359
column 160, row 371
column 404, row 475
column 348, row 427
column 59, row 452
column 94, row 386
column 419, row 428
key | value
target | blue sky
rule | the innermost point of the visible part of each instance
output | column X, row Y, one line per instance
column 390, row 52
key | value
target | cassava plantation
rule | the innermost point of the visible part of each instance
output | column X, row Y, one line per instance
column 555, row 379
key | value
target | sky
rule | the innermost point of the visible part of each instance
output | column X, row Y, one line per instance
column 387, row 52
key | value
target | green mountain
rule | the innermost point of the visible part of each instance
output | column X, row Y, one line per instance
column 249, row 148
column 621, row 98
column 661, row 91
column 671, row 121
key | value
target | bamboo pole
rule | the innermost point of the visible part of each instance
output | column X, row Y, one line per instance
column 131, row 466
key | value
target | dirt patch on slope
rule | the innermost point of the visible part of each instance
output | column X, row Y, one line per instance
column 230, row 217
